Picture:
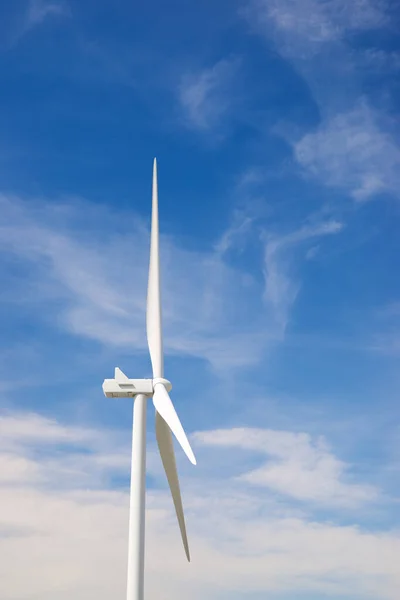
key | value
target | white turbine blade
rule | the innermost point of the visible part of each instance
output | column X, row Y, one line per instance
column 166, row 448
column 165, row 408
column 153, row 316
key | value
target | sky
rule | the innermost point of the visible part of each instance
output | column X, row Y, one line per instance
column 275, row 126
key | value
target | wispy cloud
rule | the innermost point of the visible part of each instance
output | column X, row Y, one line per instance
column 297, row 466
column 236, row 235
column 353, row 147
column 385, row 337
column 281, row 287
column 213, row 310
column 275, row 549
column 352, row 151
column 36, row 13
column 206, row 96
column 30, row 444
column 28, row 428
column 39, row 10
column 301, row 26
column 100, row 292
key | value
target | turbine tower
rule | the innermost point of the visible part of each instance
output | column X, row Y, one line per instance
column 167, row 421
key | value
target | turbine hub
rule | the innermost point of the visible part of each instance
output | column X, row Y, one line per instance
column 167, row 384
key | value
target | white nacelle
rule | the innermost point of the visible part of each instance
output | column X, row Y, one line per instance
column 123, row 387
column 113, row 389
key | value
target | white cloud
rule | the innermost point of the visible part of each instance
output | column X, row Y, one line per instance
column 81, row 274
column 381, row 60
column 28, row 428
column 297, row 466
column 72, row 542
column 39, row 10
column 281, row 288
column 93, row 270
column 350, row 150
column 17, row 469
column 301, row 26
column 385, row 336
column 206, row 96
column 353, row 148
column 21, row 434
column 235, row 237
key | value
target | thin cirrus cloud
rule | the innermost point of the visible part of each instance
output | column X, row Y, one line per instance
column 277, row 549
column 99, row 291
column 353, row 147
column 281, row 288
column 101, row 280
column 205, row 95
column 351, row 151
column 38, row 12
column 301, row 26
column 297, row 466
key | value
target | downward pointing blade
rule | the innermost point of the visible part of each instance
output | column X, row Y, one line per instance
column 165, row 408
column 153, row 315
column 166, row 448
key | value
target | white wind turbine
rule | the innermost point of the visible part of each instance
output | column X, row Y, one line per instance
column 167, row 420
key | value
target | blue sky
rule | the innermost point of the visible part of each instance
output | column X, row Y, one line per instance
column 275, row 126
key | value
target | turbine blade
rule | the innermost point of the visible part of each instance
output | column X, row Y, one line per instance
column 153, row 315
column 166, row 448
column 163, row 405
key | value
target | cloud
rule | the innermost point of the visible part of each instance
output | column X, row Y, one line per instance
column 39, row 10
column 68, row 456
column 300, row 27
column 297, row 466
column 353, row 147
column 351, row 151
column 205, row 97
column 236, row 235
column 82, row 269
column 30, row 428
column 69, row 537
column 76, row 261
column 281, row 288
column 80, row 273
column 35, row 14
column 381, row 60
column 385, row 335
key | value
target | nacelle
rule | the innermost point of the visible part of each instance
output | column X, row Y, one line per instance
column 123, row 387
column 113, row 389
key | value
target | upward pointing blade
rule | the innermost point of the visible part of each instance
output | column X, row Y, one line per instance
column 153, row 317
column 166, row 448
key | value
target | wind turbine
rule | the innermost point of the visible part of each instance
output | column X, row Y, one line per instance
column 167, row 420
